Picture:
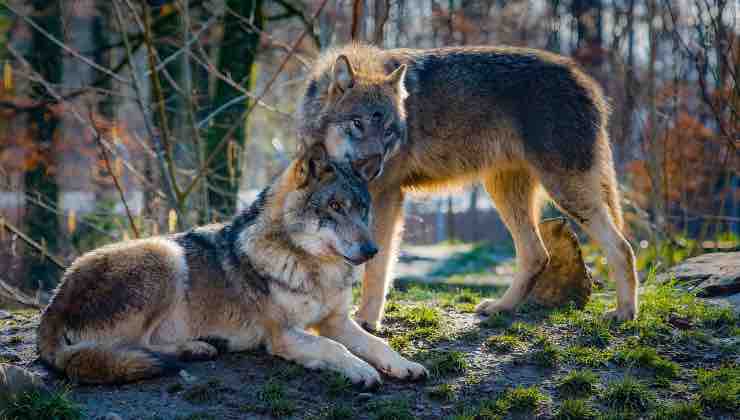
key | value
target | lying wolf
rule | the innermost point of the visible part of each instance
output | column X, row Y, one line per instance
column 126, row 311
column 525, row 123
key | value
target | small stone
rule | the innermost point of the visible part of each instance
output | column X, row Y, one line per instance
column 5, row 315
column 9, row 356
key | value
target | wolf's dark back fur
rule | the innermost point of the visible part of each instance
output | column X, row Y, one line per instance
column 557, row 116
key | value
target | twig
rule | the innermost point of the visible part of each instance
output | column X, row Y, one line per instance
column 204, row 169
column 27, row 239
column 115, row 181
column 64, row 46
column 13, row 293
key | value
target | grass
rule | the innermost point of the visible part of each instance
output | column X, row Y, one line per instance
column 572, row 409
column 38, row 404
column 628, row 393
column 681, row 410
column 417, row 316
column 546, row 354
column 499, row 320
column 203, row 392
column 335, row 383
column 274, row 399
column 524, row 398
column 719, row 389
column 648, row 358
column 592, row 357
column 580, row 383
column 505, row 343
column 444, row 363
column 336, row 412
column 522, row 330
column 441, row 392
column 394, row 409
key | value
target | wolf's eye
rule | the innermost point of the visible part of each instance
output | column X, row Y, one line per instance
column 335, row 206
column 388, row 132
column 357, row 123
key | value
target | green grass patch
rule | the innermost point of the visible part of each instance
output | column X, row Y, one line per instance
column 572, row 409
column 273, row 399
column 335, row 383
column 395, row 409
column 505, row 343
column 628, row 393
column 546, row 354
column 38, row 404
column 524, row 398
column 417, row 316
column 441, row 392
column 522, row 330
column 588, row 356
column 579, row 383
column 679, row 410
column 719, row 389
column 443, row 363
column 647, row 358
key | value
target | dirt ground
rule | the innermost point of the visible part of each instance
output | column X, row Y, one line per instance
column 520, row 374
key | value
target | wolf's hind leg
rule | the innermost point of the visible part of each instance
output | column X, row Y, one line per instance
column 515, row 193
column 188, row 351
column 387, row 226
column 592, row 200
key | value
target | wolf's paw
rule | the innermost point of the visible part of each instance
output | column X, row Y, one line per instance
column 406, row 369
column 621, row 314
column 491, row 307
column 363, row 375
column 369, row 326
column 196, row 351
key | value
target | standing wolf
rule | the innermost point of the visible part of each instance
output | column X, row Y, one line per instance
column 287, row 264
column 523, row 122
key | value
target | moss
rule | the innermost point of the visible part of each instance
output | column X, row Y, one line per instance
column 679, row 410
column 335, row 383
column 648, row 358
column 588, row 356
column 546, row 354
column 720, row 388
column 441, row 392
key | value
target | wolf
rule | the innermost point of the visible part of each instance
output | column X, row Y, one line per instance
column 525, row 123
column 284, row 267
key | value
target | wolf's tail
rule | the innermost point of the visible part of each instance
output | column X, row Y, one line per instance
column 90, row 362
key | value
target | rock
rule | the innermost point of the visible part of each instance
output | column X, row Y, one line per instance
column 5, row 315
column 710, row 275
column 566, row 279
column 111, row 416
column 14, row 381
column 9, row 356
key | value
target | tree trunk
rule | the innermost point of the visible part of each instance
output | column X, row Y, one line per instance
column 42, row 225
column 236, row 58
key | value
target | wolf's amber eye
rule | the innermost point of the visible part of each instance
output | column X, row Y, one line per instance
column 357, row 123
column 335, row 206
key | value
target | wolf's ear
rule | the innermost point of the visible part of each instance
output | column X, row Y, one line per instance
column 314, row 164
column 368, row 168
column 396, row 77
column 344, row 74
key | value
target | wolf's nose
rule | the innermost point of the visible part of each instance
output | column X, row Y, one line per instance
column 369, row 249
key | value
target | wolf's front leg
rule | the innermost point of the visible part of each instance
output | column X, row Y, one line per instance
column 387, row 226
column 321, row 353
column 371, row 348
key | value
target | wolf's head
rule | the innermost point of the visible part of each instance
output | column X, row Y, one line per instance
column 356, row 111
column 326, row 211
